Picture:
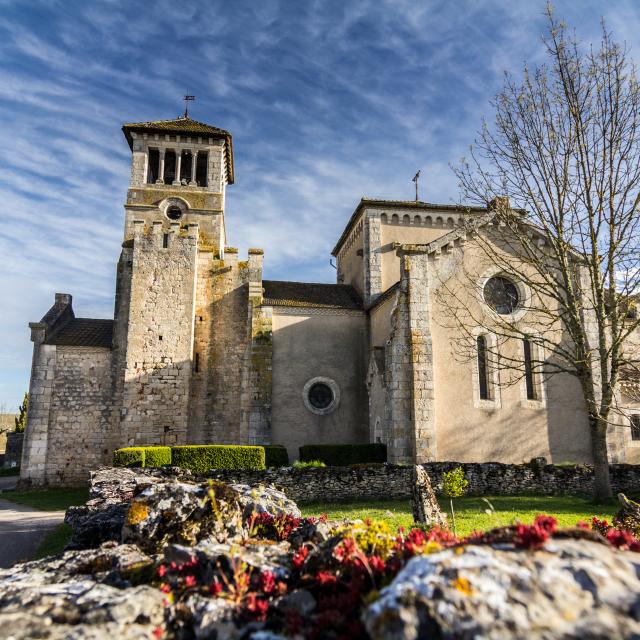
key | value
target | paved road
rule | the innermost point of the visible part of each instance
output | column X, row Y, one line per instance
column 22, row 529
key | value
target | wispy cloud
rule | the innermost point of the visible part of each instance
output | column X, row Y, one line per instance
column 327, row 103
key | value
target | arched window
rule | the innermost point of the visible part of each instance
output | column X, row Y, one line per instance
column 383, row 218
column 439, row 221
column 406, row 219
column 483, row 368
column 428, row 221
column 395, row 219
column 451, row 222
column 417, row 220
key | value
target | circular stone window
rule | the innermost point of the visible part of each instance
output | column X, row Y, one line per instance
column 321, row 395
column 502, row 295
column 174, row 213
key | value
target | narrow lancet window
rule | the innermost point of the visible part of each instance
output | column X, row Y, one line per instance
column 528, row 370
column 154, row 166
column 483, row 368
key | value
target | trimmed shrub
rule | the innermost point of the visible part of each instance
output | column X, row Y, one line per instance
column 202, row 458
column 157, row 456
column 129, row 457
column 275, row 455
column 342, row 455
column 299, row 464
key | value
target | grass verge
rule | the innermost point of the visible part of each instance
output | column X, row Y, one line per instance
column 54, row 499
column 54, row 542
column 473, row 513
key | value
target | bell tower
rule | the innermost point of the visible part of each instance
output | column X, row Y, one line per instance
column 179, row 173
column 174, row 231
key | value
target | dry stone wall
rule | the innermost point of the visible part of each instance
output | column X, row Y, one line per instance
column 392, row 482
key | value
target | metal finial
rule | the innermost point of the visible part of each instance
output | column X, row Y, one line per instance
column 415, row 179
column 187, row 99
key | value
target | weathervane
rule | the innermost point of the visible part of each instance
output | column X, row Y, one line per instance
column 415, row 179
column 187, row 99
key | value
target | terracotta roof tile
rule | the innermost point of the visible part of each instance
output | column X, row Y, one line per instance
column 83, row 332
column 279, row 293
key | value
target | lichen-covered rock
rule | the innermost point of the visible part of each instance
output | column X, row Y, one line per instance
column 569, row 589
column 177, row 512
column 94, row 594
column 80, row 609
column 265, row 499
column 424, row 505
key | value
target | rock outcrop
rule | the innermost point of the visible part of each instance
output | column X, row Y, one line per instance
column 569, row 589
column 424, row 505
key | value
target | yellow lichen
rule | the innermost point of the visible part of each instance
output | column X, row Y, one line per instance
column 138, row 511
column 463, row 586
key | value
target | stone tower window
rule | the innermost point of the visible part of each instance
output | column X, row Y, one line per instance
column 634, row 419
column 174, row 213
column 201, row 168
column 169, row 167
column 501, row 295
column 321, row 395
column 185, row 168
column 154, row 166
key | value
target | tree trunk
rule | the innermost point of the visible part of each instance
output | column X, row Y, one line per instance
column 601, row 483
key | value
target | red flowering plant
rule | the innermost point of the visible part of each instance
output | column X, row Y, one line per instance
column 342, row 574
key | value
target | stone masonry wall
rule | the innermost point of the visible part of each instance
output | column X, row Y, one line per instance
column 390, row 482
column 80, row 414
column 226, row 313
column 155, row 396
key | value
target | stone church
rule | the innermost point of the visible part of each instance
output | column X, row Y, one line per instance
column 202, row 349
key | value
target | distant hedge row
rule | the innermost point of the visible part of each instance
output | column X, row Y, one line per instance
column 202, row 458
column 343, row 455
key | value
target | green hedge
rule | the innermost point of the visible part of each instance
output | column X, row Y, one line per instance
column 157, row 456
column 129, row 457
column 142, row 456
column 275, row 456
column 342, row 455
column 202, row 458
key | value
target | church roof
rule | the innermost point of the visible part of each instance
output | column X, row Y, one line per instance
column 280, row 293
column 83, row 332
column 184, row 127
column 399, row 204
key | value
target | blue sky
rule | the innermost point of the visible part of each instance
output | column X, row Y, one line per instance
column 327, row 102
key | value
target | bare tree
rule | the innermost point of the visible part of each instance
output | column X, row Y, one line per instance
column 564, row 149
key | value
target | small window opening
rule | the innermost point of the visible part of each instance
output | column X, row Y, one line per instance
column 185, row 168
column 528, row 370
column 635, row 426
column 201, row 169
column 159, row 337
column 174, row 213
column 483, row 368
column 154, row 166
column 200, row 318
column 169, row 167
column 196, row 364
column 165, row 240
column 320, row 395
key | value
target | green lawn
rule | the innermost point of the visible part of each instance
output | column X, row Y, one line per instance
column 471, row 513
column 55, row 499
